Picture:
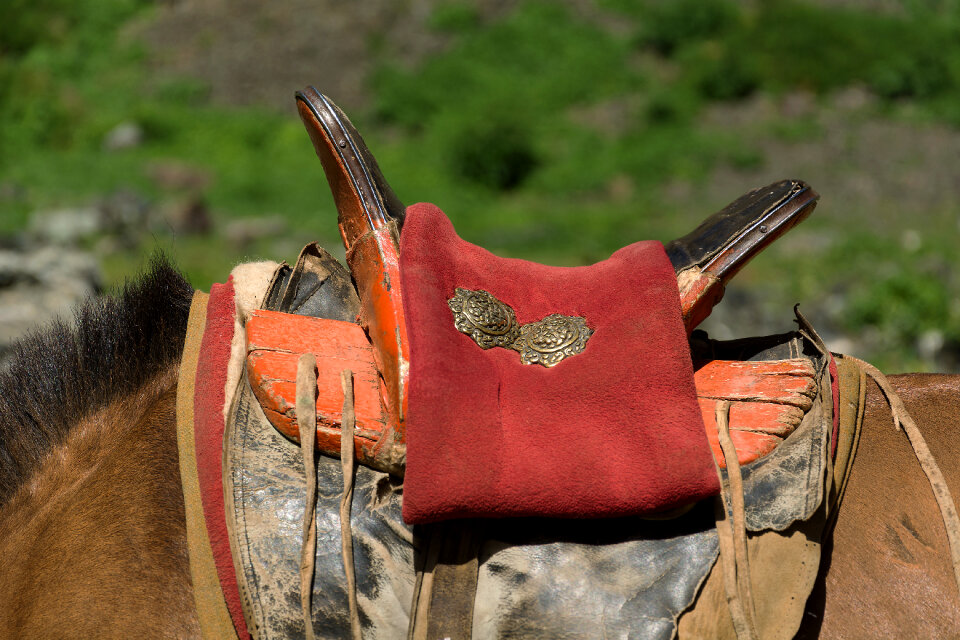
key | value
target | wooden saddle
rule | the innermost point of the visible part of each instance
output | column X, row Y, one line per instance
column 366, row 330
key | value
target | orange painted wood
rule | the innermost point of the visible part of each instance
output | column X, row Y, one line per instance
column 750, row 446
column 328, row 439
column 274, row 343
column 778, row 381
column 768, row 398
column 762, row 417
column 373, row 255
column 768, row 401
column 262, row 365
column 276, row 331
column 698, row 298
column 756, row 428
column 374, row 261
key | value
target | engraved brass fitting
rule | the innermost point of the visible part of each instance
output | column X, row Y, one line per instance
column 492, row 323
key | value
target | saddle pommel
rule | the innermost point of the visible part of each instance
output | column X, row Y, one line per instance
column 370, row 216
column 706, row 258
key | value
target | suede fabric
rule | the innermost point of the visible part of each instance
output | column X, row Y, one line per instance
column 613, row 431
column 208, row 402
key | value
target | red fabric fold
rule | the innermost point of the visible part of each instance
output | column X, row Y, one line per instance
column 208, row 401
column 613, row 431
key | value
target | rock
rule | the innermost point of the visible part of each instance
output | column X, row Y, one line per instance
column 853, row 98
column 241, row 233
column 124, row 214
column 187, row 215
column 11, row 191
column 125, row 135
column 64, row 226
column 798, row 104
column 930, row 344
column 177, row 176
column 911, row 240
column 38, row 285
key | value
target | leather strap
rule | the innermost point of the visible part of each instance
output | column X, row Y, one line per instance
column 447, row 584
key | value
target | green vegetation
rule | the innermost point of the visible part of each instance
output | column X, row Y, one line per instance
column 545, row 133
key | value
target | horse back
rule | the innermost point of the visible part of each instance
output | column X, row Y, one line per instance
column 94, row 544
column 886, row 568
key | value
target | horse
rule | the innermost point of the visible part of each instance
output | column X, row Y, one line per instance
column 92, row 534
column 93, row 540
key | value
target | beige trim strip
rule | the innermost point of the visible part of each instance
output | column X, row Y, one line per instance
column 215, row 621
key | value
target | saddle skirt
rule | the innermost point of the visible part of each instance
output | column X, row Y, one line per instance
column 264, row 495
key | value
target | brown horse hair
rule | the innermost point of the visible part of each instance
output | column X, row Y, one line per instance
column 97, row 534
column 60, row 374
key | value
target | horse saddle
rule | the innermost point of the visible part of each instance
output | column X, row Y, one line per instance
column 510, row 577
column 371, row 338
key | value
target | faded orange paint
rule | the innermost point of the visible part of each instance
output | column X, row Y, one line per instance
column 768, row 398
column 371, row 241
column 697, row 299
column 778, row 381
column 374, row 263
column 274, row 343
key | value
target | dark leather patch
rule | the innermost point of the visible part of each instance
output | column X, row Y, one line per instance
column 318, row 286
column 264, row 474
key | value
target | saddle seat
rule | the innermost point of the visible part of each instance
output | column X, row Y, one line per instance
column 768, row 398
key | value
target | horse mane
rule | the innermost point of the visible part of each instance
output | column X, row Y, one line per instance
column 65, row 371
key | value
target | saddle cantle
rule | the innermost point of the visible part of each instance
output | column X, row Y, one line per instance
column 370, row 218
column 709, row 256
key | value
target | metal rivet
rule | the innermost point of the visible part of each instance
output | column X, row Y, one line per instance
column 342, row 144
column 763, row 228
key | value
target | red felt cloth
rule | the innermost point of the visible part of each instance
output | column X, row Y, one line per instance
column 208, row 400
column 613, row 431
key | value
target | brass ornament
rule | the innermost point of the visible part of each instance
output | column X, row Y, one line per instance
column 481, row 316
column 552, row 339
column 492, row 323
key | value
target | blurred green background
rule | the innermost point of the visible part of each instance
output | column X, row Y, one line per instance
column 556, row 132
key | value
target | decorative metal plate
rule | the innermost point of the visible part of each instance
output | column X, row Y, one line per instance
column 552, row 339
column 492, row 323
column 481, row 316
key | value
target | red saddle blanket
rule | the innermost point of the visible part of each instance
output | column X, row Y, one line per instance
column 614, row 430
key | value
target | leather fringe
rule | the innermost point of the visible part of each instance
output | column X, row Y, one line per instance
column 307, row 422
column 732, row 533
column 348, row 464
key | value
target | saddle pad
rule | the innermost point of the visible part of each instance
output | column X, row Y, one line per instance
column 209, row 375
column 612, row 431
column 200, row 423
